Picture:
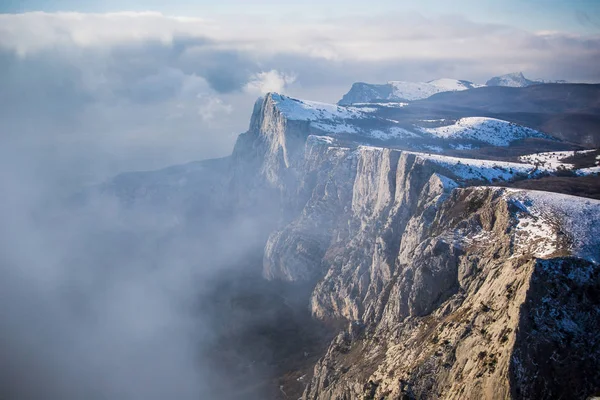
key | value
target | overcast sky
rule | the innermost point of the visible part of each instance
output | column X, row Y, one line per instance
column 526, row 14
column 119, row 85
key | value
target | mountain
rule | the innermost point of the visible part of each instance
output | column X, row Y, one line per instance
column 428, row 279
column 515, row 79
column 401, row 90
column 410, row 91
column 570, row 112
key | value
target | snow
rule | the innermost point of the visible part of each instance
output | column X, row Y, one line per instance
column 535, row 236
column 436, row 149
column 334, row 119
column 515, row 79
column 401, row 132
column 393, row 104
column 392, row 133
column 316, row 138
column 334, row 127
column 489, row 130
column 421, row 90
column 387, row 104
column 577, row 217
column 304, row 110
column 473, row 169
column 551, row 161
column 368, row 109
column 588, row 171
column 377, row 134
column 467, row 169
column 447, row 182
column 453, row 84
column 462, row 146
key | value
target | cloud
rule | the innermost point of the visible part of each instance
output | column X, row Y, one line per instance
column 270, row 81
column 119, row 91
column 398, row 36
column 213, row 107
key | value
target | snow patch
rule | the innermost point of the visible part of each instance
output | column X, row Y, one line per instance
column 304, row 110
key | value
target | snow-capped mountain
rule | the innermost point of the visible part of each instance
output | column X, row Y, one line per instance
column 515, row 79
column 403, row 90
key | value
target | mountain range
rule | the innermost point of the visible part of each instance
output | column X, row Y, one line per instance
column 410, row 91
column 409, row 261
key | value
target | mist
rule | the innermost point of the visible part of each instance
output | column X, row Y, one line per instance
column 101, row 300
column 117, row 284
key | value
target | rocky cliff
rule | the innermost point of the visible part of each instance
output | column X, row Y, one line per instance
column 444, row 286
column 446, row 291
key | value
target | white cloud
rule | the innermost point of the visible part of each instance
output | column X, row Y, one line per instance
column 397, row 37
column 212, row 107
column 269, row 81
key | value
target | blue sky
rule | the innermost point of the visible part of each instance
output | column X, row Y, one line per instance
column 576, row 16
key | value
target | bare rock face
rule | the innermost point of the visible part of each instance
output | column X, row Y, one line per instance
column 468, row 315
column 557, row 337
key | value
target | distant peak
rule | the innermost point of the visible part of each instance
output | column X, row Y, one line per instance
column 513, row 79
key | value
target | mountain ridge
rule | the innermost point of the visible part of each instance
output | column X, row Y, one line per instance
column 439, row 284
column 361, row 92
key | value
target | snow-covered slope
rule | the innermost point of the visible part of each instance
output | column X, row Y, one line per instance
column 542, row 211
column 305, row 110
column 551, row 159
column 333, row 119
column 552, row 162
column 489, row 130
column 468, row 169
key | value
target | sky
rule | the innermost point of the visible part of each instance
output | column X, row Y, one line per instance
column 526, row 14
column 131, row 85
column 91, row 89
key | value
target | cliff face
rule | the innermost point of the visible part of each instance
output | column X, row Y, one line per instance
column 469, row 313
